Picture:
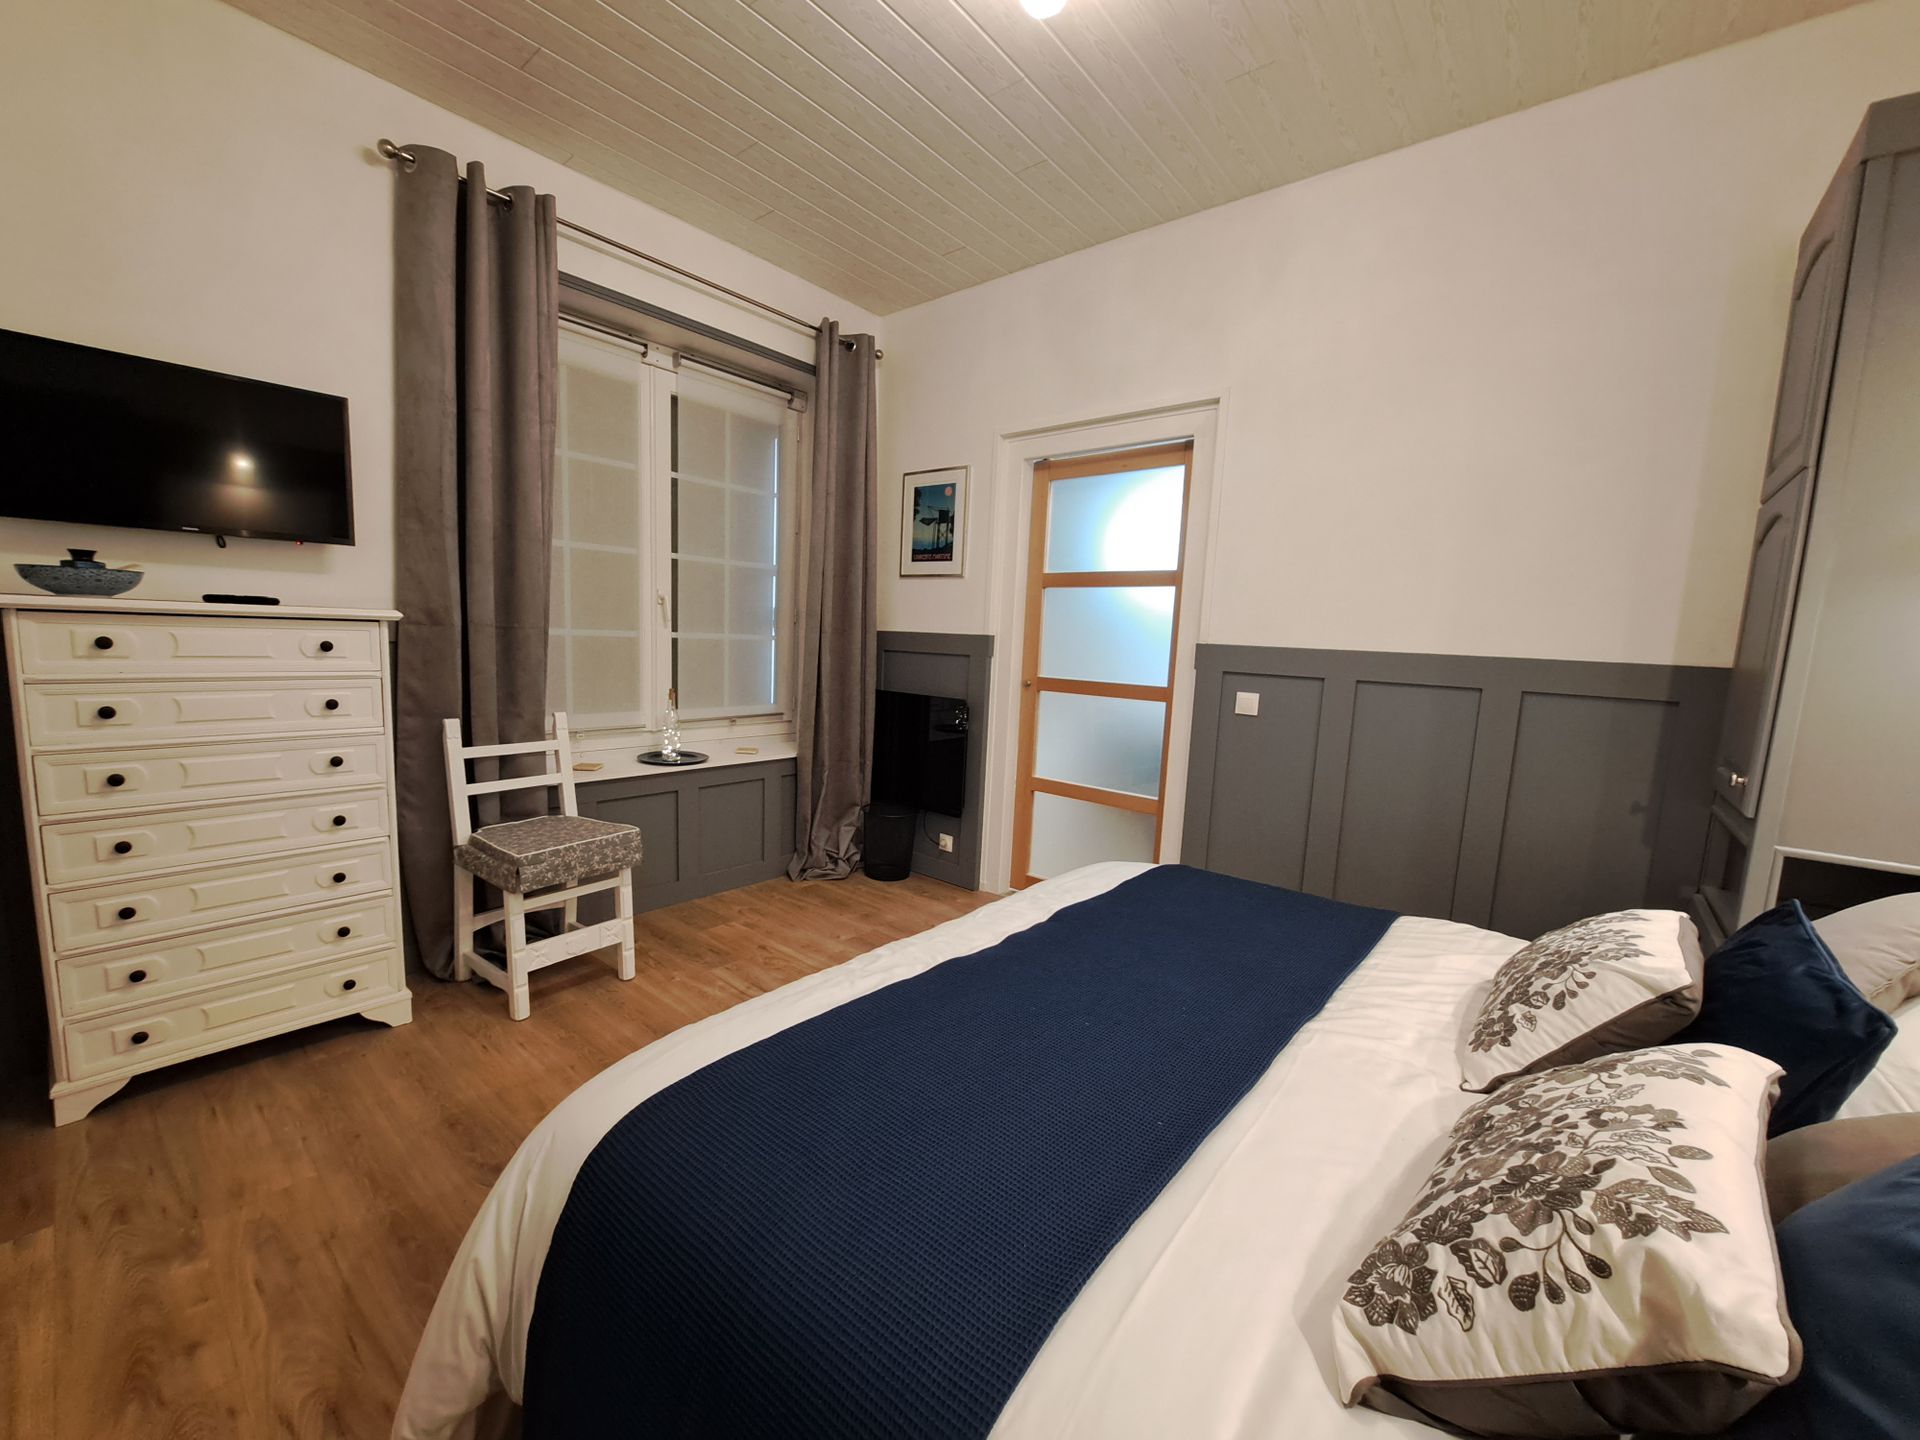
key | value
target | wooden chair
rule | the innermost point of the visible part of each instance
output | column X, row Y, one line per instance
column 538, row 864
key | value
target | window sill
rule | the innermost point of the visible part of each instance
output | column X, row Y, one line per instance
column 620, row 761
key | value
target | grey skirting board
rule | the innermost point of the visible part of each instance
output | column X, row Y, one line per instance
column 703, row 830
column 1508, row 793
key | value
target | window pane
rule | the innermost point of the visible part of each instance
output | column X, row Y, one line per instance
column 1100, row 741
column 754, row 526
column 699, row 519
column 1070, row 833
column 700, row 439
column 700, row 674
column 602, row 502
column 750, row 602
column 726, row 543
column 603, row 414
column 606, row 674
column 750, row 674
column 1128, row 521
column 605, row 591
column 1123, row 636
column 753, row 457
column 700, row 601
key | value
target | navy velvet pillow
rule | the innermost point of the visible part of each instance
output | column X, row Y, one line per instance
column 1851, row 1261
column 1776, row 990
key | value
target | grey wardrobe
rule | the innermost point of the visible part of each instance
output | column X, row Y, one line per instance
column 1816, row 790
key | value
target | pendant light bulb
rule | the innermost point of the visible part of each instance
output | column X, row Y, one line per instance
column 1043, row 9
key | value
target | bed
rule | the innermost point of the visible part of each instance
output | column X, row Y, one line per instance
column 1211, row 1314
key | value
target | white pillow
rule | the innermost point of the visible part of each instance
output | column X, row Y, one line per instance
column 1878, row 945
column 1591, row 1254
column 1892, row 1087
column 1614, row 982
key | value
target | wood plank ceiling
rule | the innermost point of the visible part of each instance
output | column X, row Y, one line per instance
column 896, row 150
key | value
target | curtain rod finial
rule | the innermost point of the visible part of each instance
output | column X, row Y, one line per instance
column 387, row 150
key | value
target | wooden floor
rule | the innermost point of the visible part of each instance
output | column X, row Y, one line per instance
column 248, row 1245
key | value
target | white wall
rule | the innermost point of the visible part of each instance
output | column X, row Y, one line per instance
column 186, row 182
column 1505, row 392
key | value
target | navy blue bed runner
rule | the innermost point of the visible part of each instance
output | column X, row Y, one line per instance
column 867, row 1224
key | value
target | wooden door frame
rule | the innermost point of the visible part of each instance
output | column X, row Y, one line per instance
column 1037, row 582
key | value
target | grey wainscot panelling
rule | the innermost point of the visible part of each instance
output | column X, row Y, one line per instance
column 1513, row 794
column 702, row 830
column 954, row 667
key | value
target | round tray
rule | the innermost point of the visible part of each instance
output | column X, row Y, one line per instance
column 682, row 757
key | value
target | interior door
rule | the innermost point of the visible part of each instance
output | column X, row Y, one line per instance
column 1096, row 704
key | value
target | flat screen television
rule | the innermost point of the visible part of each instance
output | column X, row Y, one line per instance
column 93, row 437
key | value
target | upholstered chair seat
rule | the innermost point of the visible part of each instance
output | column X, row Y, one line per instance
column 522, row 856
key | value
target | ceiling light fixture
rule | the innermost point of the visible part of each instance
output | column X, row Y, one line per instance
column 1043, row 9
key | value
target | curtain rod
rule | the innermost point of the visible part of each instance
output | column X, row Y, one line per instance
column 390, row 151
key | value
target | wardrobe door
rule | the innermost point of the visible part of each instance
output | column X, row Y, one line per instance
column 1786, row 504
column 1813, row 332
column 1755, row 684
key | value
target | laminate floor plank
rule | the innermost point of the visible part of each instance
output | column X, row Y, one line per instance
column 248, row 1245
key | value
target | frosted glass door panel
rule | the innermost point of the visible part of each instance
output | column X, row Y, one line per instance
column 1129, row 521
column 1070, row 833
column 1100, row 741
column 1123, row 635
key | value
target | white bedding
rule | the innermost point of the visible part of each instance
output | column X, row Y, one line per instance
column 1211, row 1318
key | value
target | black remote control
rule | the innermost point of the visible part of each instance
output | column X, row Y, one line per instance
column 241, row 599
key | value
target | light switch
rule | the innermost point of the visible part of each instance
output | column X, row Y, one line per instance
column 1246, row 702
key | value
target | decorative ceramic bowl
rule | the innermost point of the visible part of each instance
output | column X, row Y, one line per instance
column 80, row 574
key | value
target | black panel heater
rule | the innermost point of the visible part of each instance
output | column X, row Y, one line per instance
column 919, row 764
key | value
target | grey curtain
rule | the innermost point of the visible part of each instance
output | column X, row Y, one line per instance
column 837, row 639
column 476, row 358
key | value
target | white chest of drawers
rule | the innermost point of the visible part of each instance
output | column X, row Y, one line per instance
column 210, row 823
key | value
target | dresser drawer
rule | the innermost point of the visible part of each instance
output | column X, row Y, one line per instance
column 115, row 713
column 140, row 1037
column 109, row 978
column 68, row 647
column 77, row 783
column 77, row 850
column 123, row 910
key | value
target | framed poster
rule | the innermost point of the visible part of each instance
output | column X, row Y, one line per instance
column 933, row 521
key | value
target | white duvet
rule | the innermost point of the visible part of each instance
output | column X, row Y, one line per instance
column 1211, row 1318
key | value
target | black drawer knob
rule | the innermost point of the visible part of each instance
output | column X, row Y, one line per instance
column 139, row 1037
column 127, row 912
column 348, row 984
column 326, row 647
column 333, row 704
column 106, row 712
column 103, row 642
column 337, row 761
column 339, row 819
column 123, row 847
column 116, row 779
column 339, row 877
column 344, row 931
column 134, row 977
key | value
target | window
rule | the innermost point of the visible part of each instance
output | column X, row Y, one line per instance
column 673, row 515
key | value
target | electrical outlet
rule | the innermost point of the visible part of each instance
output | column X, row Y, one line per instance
column 946, row 843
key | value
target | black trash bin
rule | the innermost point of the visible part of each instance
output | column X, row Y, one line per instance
column 889, row 840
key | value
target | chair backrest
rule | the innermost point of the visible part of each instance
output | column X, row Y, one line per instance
column 556, row 751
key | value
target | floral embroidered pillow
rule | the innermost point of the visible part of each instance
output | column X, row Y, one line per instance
column 1592, row 1254
column 1607, row 983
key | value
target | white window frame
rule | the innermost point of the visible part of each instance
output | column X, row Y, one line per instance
column 657, row 369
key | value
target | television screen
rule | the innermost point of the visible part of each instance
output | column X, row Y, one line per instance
column 98, row 438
